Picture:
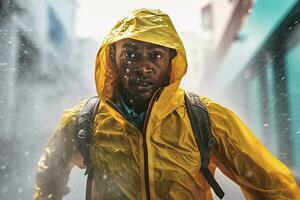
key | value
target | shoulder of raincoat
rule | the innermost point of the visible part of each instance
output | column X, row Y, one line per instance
column 163, row 161
column 58, row 159
column 243, row 158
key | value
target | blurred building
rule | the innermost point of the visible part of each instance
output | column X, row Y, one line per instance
column 221, row 21
column 258, row 77
column 37, row 78
column 191, row 41
column 85, row 52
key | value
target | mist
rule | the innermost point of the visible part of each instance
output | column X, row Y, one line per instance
column 47, row 65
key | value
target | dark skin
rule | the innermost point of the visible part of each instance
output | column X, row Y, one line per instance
column 142, row 69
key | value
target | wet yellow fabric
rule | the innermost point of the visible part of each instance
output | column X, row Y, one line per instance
column 172, row 158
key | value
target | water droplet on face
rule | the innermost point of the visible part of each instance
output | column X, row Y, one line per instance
column 127, row 70
column 104, row 176
column 109, row 74
column 249, row 173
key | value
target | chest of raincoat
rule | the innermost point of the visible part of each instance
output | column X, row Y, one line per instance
column 163, row 158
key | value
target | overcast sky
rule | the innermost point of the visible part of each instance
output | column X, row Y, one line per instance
column 96, row 17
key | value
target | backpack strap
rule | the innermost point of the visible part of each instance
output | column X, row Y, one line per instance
column 200, row 123
column 83, row 137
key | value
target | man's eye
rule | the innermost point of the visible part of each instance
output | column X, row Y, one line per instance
column 156, row 56
column 130, row 55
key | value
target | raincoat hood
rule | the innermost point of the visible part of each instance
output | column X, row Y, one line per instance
column 146, row 25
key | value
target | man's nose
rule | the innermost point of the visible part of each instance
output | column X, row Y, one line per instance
column 144, row 70
column 144, row 67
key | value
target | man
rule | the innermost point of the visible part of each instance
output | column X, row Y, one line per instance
column 143, row 146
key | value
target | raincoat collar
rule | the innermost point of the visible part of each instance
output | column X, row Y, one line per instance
column 132, row 116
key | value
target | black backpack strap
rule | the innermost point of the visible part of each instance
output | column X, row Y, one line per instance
column 200, row 123
column 84, row 135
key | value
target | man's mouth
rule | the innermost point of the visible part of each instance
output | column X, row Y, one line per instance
column 143, row 85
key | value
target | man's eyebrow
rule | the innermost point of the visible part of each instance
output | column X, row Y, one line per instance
column 130, row 46
column 154, row 46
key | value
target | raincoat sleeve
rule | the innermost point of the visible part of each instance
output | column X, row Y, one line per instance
column 56, row 163
column 244, row 159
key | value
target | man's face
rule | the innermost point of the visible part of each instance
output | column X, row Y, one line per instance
column 142, row 67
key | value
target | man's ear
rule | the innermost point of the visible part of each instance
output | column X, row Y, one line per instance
column 173, row 54
column 166, row 80
column 112, row 53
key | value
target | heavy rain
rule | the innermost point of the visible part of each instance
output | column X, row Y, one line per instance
column 244, row 54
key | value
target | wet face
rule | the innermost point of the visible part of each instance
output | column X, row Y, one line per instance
column 142, row 67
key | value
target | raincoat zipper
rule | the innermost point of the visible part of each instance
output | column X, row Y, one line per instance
column 110, row 103
column 144, row 130
column 146, row 168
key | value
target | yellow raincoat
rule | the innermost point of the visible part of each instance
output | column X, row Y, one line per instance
column 164, row 157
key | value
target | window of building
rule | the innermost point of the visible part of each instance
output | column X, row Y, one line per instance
column 27, row 59
column 207, row 17
column 259, row 94
column 56, row 32
column 255, row 114
column 292, row 60
column 271, row 124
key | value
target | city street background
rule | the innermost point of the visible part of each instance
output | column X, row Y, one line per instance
column 244, row 54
